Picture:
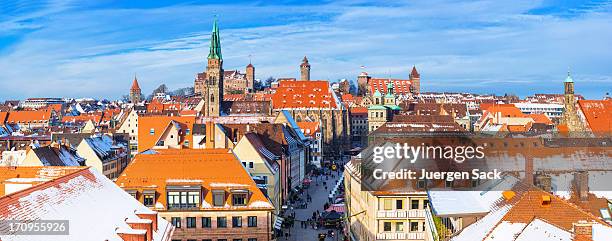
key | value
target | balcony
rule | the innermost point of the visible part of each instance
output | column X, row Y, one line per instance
column 414, row 213
column 400, row 236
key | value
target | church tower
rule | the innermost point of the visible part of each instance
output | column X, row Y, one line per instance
column 305, row 69
column 212, row 83
column 570, row 114
column 415, row 78
column 135, row 92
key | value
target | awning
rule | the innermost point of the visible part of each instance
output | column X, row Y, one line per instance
column 278, row 224
column 337, row 207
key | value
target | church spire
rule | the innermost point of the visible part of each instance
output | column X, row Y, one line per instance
column 215, row 43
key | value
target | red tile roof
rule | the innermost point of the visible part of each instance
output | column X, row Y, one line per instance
column 309, row 128
column 158, row 124
column 359, row 110
column 304, row 94
column 540, row 118
column 598, row 114
column 28, row 116
column 400, row 86
column 213, row 169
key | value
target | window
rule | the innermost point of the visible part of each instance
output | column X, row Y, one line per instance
column 236, row 222
column 387, row 204
column 237, row 239
column 221, row 239
column 183, row 199
column 414, row 204
column 414, row 226
column 186, row 143
column 187, row 131
column 251, row 165
column 221, row 222
column 421, row 184
column 252, row 239
column 176, row 222
column 149, row 199
column 239, row 199
column 191, row 240
column 191, row 222
column 252, row 221
column 399, row 204
column 399, row 227
column 387, row 226
column 152, row 131
column 218, row 198
column 206, row 239
column 206, row 222
column 425, row 203
column 448, row 183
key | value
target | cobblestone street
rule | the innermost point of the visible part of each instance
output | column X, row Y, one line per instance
column 319, row 195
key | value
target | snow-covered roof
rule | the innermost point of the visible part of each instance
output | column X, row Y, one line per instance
column 93, row 205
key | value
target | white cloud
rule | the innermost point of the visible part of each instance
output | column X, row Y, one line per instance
column 482, row 46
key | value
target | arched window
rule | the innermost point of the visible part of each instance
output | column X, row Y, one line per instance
column 212, row 98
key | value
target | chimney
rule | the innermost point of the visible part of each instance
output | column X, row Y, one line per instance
column 132, row 235
column 141, row 224
column 529, row 170
column 583, row 230
column 150, row 215
column 582, row 185
column 546, row 201
column 543, row 182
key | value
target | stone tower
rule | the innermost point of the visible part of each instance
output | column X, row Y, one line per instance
column 363, row 88
column 305, row 69
column 415, row 77
column 570, row 115
column 250, row 77
column 211, row 81
column 135, row 92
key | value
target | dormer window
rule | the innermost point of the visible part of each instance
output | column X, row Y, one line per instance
column 218, row 198
column 239, row 197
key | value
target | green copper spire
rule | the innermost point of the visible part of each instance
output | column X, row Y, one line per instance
column 215, row 43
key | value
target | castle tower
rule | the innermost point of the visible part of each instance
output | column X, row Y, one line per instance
column 305, row 69
column 363, row 88
column 415, row 77
column 250, row 77
column 135, row 92
column 212, row 86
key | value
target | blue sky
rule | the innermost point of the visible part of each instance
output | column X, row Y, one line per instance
column 93, row 48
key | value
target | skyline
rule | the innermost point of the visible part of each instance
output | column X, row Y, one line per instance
column 79, row 50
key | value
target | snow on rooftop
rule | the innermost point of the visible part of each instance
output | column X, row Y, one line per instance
column 93, row 204
column 260, row 204
column 541, row 230
column 601, row 232
column 505, row 231
column 476, row 230
column 223, row 184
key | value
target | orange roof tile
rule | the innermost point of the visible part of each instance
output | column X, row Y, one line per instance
column 158, row 124
column 540, row 118
column 96, row 117
column 304, row 94
column 598, row 114
column 560, row 212
column 213, row 169
column 3, row 116
column 28, row 116
column 400, row 86
column 309, row 128
column 36, row 175
column 359, row 110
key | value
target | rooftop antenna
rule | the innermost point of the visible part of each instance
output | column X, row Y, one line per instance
column 249, row 58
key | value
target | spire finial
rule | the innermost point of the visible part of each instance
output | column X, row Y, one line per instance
column 249, row 58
